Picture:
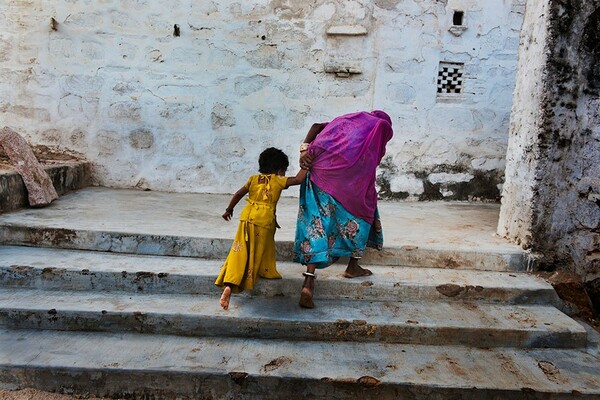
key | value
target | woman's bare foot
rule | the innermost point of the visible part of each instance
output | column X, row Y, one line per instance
column 306, row 298
column 225, row 298
column 306, row 295
column 354, row 270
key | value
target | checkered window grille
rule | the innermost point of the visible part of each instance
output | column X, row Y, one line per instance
column 450, row 79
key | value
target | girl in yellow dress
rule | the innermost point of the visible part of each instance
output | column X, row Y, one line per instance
column 252, row 253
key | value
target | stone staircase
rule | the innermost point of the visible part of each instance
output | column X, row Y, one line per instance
column 95, row 299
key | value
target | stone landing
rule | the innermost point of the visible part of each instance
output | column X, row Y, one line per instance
column 437, row 234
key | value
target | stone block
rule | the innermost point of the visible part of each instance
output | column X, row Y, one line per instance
column 443, row 177
column 407, row 183
column 39, row 186
column 222, row 115
column 92, row 51
column 127, row 87
column 302, row 85
column 245, row 86
column 62, row 48
column 84, row 19
column 402, row 93
column 5, row 50
column 107, row 142
column 74, row 105
column 265, row 120
column 124, row 110
column 141, row 139
column 487, row 164
column 266, row 57
column 179, row 145
column 386, row 4
column 178, row 111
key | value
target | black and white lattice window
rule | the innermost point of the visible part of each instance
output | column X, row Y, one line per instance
column 450, row 79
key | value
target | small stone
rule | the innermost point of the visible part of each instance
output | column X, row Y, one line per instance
column 368, row 381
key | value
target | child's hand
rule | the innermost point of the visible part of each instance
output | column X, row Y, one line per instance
column 228, row 214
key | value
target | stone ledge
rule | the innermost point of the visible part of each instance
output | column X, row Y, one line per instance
column 347, row 30
column 66, row 177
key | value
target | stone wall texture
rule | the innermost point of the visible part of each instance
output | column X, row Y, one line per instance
column 183, row 96
column 551, row 199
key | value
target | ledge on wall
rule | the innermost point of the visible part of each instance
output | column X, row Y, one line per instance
column 457, row 30
column 342, row 71
column 347, row 30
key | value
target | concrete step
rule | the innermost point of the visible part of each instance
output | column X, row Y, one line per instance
column 440, row 235
column 57, row 269
column 433, row 323
column 167, row 367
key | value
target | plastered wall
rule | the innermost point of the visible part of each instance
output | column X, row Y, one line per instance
column 112, row 80
column 551, row 199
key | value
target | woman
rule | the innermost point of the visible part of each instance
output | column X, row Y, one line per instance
column 338, row 214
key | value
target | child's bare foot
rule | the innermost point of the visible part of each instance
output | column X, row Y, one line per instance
column 354, row 270
column 225, row 298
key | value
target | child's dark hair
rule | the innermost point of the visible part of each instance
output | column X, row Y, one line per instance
column 272, row 160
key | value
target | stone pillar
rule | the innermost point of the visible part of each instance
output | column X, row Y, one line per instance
column 551, row 198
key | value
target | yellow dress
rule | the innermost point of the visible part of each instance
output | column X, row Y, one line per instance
column 252, row 253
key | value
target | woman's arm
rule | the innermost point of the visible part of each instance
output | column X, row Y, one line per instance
column 314, row 130
column 234, row 200
column 296, row 180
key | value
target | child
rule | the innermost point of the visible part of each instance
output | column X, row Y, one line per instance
column 252, row 253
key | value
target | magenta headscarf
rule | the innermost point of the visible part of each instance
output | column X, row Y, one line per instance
column 346, row 155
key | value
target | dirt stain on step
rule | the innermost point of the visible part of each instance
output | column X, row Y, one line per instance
column 276, row 363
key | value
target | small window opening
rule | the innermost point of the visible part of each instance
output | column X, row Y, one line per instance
column 450, row 79
column 176, row 30
column 458, row 17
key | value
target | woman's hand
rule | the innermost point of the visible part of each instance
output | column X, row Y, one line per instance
column 228, row 214
column 305, row 160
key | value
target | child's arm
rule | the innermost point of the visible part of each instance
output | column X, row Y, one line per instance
column 234, row 200
column 296, row 180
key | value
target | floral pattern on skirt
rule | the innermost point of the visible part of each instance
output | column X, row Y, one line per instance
column 325, row 231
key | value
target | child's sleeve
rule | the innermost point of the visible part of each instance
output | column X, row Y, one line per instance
column 281, row 181
column 248, row 183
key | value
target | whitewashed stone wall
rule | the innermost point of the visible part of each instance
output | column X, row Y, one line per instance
column 192, row 112
column 524, row 152
column 551, row 200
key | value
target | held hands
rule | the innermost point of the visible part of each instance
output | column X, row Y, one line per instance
column 228, row 214
column 305, row 160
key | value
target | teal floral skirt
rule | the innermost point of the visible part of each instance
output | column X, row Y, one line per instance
column 325, row 231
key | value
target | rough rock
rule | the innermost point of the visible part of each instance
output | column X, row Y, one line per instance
column 571, row 289
column 40, row 189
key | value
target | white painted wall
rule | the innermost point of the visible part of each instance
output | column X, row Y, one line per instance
column 192, row 113
column 517, row 213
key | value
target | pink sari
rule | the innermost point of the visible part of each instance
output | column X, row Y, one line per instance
column 347, row 153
